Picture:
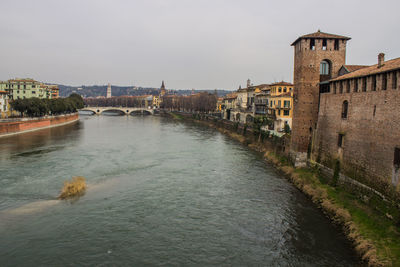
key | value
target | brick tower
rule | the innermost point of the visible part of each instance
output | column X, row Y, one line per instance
column 317, row 58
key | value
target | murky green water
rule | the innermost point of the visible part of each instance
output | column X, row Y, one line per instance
column 160, row 193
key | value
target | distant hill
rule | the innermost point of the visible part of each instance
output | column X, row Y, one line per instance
column 100, row 90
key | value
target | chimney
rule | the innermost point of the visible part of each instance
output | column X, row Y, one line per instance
column 381, row 59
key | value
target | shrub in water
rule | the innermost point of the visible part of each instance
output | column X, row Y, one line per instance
column 73, row 188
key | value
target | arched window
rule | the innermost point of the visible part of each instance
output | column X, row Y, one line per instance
column 345, row 108
column 324, row 68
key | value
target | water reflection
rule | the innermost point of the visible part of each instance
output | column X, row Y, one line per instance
column 38, row 142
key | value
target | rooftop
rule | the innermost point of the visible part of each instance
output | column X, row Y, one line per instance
column 389, row 65
column 351, row 68
column 282, row 83
column 321, row 35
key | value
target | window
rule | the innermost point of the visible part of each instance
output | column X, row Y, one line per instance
column 271, row 104
column 33, row 86
column 374, row 111
column 345, row 108
column 286, row 112
column 340, row 140
column 18, row 86
column 355, row 85
column 286, row 103
column 284, row 89
column 336, row 46
column 33, row 92
column 394, row 80
column 24, row 86
column 280, row 89
column 374, row 83
column 364, row 84
column 334, row 87
column 396, row 159
column 324, row 44
column 348, row 86
column 341, row 87
column 279, row 112
column 384, row 81
column 324, row 67
column 312, row 44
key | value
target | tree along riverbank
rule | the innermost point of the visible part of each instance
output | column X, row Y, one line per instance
column 369, row 222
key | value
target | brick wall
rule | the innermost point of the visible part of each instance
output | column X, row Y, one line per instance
column 367, row 152
column 36, row 123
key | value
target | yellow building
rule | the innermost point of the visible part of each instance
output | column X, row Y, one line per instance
column 156, row 101
column 281, row 104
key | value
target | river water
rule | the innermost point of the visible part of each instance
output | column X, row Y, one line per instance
column 160, row 193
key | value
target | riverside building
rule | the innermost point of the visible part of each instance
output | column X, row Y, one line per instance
column 26, row 88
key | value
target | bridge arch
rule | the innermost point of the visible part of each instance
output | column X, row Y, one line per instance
column 140, row 112
column 121, row 111
column 93, row 112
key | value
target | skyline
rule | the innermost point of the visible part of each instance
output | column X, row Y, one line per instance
column 189, row 44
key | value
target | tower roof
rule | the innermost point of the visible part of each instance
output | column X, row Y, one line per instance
column 162, row 85
column 321, row 35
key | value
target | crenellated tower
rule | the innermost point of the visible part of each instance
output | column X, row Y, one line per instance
column 317, row 58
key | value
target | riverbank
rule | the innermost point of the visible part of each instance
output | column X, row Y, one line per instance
column 368, row 222
column 10, row 127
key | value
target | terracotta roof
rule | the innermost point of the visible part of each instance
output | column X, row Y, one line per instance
column 22, row 80
column 3, row 92
column 351, row 68
column 321, row 35
column 282, row 83
column 230, row 96
column 389, row 65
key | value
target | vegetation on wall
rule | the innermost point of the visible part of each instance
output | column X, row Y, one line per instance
column 36, row 107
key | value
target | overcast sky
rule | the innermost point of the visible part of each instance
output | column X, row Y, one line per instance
column 202, row 44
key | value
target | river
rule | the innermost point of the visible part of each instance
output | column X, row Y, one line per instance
column 160, row 193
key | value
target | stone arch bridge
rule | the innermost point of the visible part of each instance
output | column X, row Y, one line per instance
column 124, row 110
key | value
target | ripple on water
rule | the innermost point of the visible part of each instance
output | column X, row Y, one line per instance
column 159, row 192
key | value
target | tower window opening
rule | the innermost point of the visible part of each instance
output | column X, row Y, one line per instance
column 334, row 87
column 374, row 111
column 324, row 44
column 355, row 85
column 396, row 159
column 324, row 68
column 345, row 108
column 341, row 87
column 374, row 83
column 348, row 86
column 340, row 140
column 394, row 80
column 312, row 44
column 384, row 81
column 336, row 45
column 364, row 84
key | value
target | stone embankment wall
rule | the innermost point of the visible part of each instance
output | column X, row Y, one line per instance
column 245, row 133
column 15, row 126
